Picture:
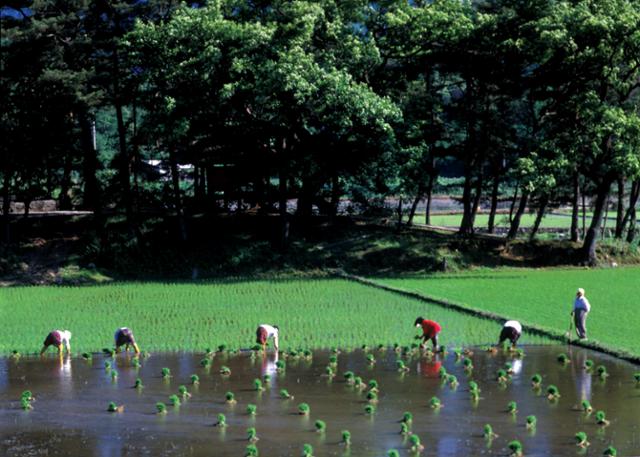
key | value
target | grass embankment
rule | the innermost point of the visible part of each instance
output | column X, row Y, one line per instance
column 545, row 297
column 312, row 314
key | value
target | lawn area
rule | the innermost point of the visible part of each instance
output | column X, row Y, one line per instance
column 545, row 296
column 502, row 220
column 318, row 313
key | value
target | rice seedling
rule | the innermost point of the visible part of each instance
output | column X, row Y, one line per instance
column 15, row 354
column 183, row 392
column 174, row 400
column 110, row 352
column 307, row 450
column 467, row 363
column 307, row 354
column 205, row 363
column 335, row 350
column 581, row 439
column 371, row 360
column 416, row 445
column 453, row 381
column 257, row 385
column 601, row 418
column 251, row 451
column 552, row 392
column 222, row 348
column 508, row 366
column 393, row 453
column 404, row 429
column 488, row 432
column 515, row 447
column 87, row 356
column 349, row 377
column 365, row 348
column 610, row 451
column 138, row 384
column 25, row 404
column 320, row 426
column 114, row 375
column 372, row 397
column 166, row 373
column 563, row 359
column 407, row 418
column 27, row 395
column 195, row 379
column 502, row 376
column 458, row 353
column 435, row 403
column 222, row 420
column 536, row 381
column 442, row 373
column 114, row 408
column 381, row 347
column 588, row 364
column 328, row 372
column 532, row 421
column 636, row 376
column 281, row 366
column 252, row 435
column 346, row 437
column 373, row 385
column 225, row 370
column 358, row 383
column 284, row 393
column 370, row 410
column 230, row 398
column 602, row 372
column 304, row 409
column 107, row 365
column 161, row 408
column 252, row 409
column 401, row 367
column 266, row 379
column 512, row 407
column 473, row 386
column 518, row 353
column 333, row 360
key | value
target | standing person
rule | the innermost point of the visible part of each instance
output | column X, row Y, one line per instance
column 430, row 330
column 511, row 330
column 581, row 308
column 57, row 338
column 266, row 331
column 124, row 337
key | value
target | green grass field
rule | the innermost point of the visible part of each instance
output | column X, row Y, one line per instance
column 545, row 297
column 319, row 313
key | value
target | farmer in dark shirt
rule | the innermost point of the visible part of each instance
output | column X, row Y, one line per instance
column 124, row 337
column 59, row 339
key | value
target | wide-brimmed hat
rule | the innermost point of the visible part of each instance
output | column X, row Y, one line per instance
column 580, row 290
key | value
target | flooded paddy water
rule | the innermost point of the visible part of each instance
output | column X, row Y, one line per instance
column 70, row 415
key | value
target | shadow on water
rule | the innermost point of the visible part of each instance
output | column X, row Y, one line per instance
column 70, row 418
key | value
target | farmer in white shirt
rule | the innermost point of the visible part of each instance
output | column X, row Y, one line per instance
column 266, row 331
column 581, row 308
column 57, row 338
column 511, row 330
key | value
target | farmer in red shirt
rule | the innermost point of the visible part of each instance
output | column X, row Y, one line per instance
column 430, row 330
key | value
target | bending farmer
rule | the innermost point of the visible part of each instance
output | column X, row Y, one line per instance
column 124, row 337
column 581, row 308
column 430, row 330
column 511, row 330
column 57, row 338
column 264, row 332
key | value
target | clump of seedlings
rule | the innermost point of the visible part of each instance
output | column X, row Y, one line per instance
column 370, row 410
column 174, row 400
column 230, row 398
column 349, row 377
column 518, row 353
column 87, row 356
column 138, row 384
column 563, row 359
column 304, row 409
column 453, row 381
column 588, row 364
column 636, row 376
column 320, row 426
column 195, row 379
column 307, row 450
column 435, row 403
column 372, row 397
column 109, row 352
column 601, row 418
column 114, row 408
column 393, row 453
column 307, row 354
column 114, row 375
column 222, row 348
column 26, row 399
column 266, row 379
column 183, row 392
column 536, row 381
column 205, row 363
column 365, row 348
column 252, row 409
column 508, row 366
column 373, row 385
column 581, row 439
column 553, row 393
column 402, row 368
column 333, row 360
column 328, row 372
column 222, row 420
column 280, row 366
column 371, row 360
column 358, row 383
column 467, row 363
column 166, row 373
column 15, row 354
column 284, row 393
column 442, row 373
column 515, row 447
column 257, row 385
column 416, row 445
column 107, row 365
column 346, row 437
column 135, row 362
column 225, row 370
column 404, row 429
column 407, row 418
column 457, row 353
column 161, row 408
column 602, row 371
column 586, row 406
column 532, row 421
column 251, row 450
column 512, row 407
column 502, row 376
column 488, row 432
column 610, row 451
column 252, row 435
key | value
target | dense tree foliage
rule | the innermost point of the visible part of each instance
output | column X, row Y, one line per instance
column 160, row 106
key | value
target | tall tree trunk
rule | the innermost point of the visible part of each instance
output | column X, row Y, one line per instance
column 466, row 226
column 515, row 223
column 177, row 198
column 414, row 205
column 605, row 217
column 6, row 205
column 476, row 203
column 513, row 202
column 494, row 203
column 335, row 196
column 575, row 235
column 427, row 217
column 591, row 237
column 65, row 185
column 399, row 212
column 544, row 202
column 620, row 209
column 631, row 233
column 584, row 215
column 91, row 189
column 633, row 201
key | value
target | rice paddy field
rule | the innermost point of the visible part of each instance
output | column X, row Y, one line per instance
column 545, row 297
column 320, row 313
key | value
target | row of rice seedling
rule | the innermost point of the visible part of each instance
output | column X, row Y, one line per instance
column 319, row 313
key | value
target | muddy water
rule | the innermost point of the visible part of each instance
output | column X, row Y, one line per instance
column 70, row 418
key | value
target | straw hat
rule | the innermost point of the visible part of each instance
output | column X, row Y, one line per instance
column 581, row 291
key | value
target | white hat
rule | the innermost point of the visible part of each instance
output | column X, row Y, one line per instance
column 580, row 290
